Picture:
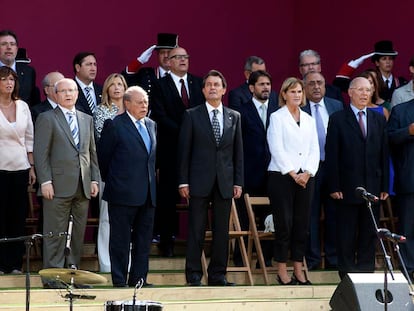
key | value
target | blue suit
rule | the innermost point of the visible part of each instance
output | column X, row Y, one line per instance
column 321, row 198
column 129, row 174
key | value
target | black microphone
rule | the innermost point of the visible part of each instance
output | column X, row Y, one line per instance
column 387, row 234
column 69, row 236
column 361, row 192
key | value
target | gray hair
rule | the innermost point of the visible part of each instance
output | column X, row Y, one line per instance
column 309, row 53
column 252, row 60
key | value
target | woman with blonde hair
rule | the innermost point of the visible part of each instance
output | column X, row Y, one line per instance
column 112, row 105
column 294, row 150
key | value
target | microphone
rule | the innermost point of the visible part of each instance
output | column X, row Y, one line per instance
column 69, row 236
column 361, row 192
column 387, row 234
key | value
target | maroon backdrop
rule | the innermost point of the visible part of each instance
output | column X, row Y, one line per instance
column 217, row 34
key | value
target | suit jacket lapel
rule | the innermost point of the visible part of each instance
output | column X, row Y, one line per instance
column 351, row 119
column 151, row 133
column 133, row 129
column 227, row 123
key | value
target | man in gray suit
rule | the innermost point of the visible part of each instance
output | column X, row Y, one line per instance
column 320, row 108
column 67, row 168
column 210, row 165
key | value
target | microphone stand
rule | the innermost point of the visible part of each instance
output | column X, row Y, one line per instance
column 404, row 268
column 387, row 261
column 28, row 242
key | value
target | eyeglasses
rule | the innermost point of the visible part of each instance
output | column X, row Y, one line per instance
column 67, row 91
column 310, row 64
column 4, row 44
column 362, row 89
column 180, row 57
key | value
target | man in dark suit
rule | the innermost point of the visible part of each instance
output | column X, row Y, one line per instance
column 310, row 60
column 26, row 74
column 127, row 162
column 210, row 171
column 67, row 171
column 147, row 77
column 356, row 156
column 179, row 91
column 255, row 115
column 242, row 94
column 320, row 108
column 90, row 93
column 48, row 84
column 401, row 132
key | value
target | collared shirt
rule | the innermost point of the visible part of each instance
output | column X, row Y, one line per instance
column 210, row 109
column 323, row 112
column 52, row 103
column 364, row 116
column 259, row 104
column 65, row 113
column 134, row 120
column 177, row 82
column 162, row 72
column 91, row 91
column 12, row 66
column 390, row 79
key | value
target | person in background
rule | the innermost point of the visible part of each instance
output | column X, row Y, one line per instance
column 242, row 93
column 16, row 169
column 126, row 152
column 112, row 105
column 294, row 151
column 405, row 93
column 25, row 73
column 320, row 107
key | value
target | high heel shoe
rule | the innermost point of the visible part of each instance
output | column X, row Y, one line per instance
column 292, row 281
column 298, row 282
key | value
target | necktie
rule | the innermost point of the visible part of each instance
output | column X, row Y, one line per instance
column 144, row 134
column 89, row 98
column 320, row 128
column 216, row 127
column 386, row 83
column 73, row 128
column 184, row 94
column 263, row 114
column 361, row 122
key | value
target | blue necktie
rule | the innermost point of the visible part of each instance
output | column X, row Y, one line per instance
column 73, row 127
column 144, row 134
column 320, row 128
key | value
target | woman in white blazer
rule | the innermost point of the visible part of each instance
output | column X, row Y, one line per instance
column 294, row 149
column 16, row 169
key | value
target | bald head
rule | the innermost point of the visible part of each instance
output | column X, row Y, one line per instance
column 48, row 84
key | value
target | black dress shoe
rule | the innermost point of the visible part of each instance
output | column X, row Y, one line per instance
column 120, row 285
column 307, row 282
column 222, row 282
column 292, row 281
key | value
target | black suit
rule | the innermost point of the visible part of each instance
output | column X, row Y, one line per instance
column 145, row 77
column 402, row 150
column 321, row 199
column 167, row 111
column 27, row 84
column 129, row 174
column 39, row 108
column 353, row 161
column 82, row 102
column 242, row 94
column 211, row 172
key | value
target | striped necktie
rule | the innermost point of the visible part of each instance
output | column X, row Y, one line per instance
column 73, row 127
column 89, row 98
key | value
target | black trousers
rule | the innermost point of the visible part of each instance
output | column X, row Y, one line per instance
column 198, row 215
column 291, row 215
column 130, row 225
column 13, row 211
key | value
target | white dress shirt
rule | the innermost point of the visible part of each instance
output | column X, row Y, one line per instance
column 219, row 115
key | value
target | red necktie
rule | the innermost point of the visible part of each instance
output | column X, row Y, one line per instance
column 184, row 94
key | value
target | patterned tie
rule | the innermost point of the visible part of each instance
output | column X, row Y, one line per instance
column 89, row 98
column 263, row 114
column 320, row 128
column 73, row 127
column 361, row 122
column 144, row 134
column 216, row 126
column 184, row 94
